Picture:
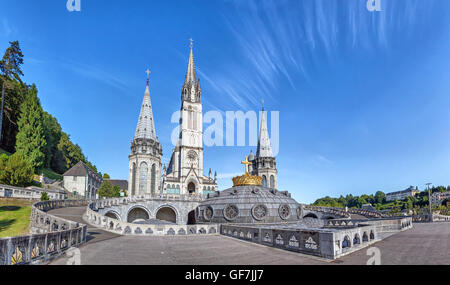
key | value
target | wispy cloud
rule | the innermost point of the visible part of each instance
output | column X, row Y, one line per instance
column 7, row 28
column 95, row 73
column 320, row 160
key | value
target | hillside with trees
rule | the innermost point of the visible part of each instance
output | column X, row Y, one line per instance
column 30, row 138
column 415, row 204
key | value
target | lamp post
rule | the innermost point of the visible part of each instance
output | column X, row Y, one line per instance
column 429, row 201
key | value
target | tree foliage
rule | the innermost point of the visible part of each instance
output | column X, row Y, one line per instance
column 10, row 65
column 107, row 190
column 30, row 141
column 44, row 196
column 15, row 170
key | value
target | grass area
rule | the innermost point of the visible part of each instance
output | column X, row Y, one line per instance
column 51, row 174
column 14, row 217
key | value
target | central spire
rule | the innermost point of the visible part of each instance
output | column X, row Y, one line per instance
column 264, row 148
column 191, row 76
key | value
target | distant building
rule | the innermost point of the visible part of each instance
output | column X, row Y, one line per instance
column 368, row 207
column 438, row 198
column 32, row 193
column 83, row 181
column 401, row 195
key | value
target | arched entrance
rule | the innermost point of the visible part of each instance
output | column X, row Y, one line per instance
column 311, row 215
column 191, row 217
column 191, row 188
column 112, row 215
column 137, row 214
column 167, row 214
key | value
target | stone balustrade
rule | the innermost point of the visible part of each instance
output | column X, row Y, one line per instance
column 51, row 236
column 344, row 212
column 123, row 228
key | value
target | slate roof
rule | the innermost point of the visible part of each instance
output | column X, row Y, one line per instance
column 123, row 184
column 80, row 169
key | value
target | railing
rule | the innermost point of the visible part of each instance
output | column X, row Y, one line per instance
column 123, row 228
column 51, row 236
column 344, row 212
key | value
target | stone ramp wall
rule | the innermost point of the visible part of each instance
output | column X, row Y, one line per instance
column 51, row 236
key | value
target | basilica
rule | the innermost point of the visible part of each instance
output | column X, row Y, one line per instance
column 185, row 173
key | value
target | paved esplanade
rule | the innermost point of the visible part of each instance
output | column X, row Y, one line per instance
column 424, row 244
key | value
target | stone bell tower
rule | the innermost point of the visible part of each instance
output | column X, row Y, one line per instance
column 146, row 152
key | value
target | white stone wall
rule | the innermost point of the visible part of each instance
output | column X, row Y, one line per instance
column 75, row 183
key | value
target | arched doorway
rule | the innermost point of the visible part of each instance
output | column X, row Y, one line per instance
column 112, row 215
column 310, row 215
column 167, row 214
column 137, row 214
column 191, row 217
column 191, row 188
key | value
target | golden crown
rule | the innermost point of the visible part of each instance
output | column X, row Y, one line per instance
column 247, row 179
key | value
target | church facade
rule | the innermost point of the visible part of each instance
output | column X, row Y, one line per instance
column 184, row 174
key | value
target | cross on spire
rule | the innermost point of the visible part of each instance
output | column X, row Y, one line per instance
column 262, row 101
column 192, row 42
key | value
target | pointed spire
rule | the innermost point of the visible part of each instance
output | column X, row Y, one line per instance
column 191, row 76
column 264, row 148
column 146, row 127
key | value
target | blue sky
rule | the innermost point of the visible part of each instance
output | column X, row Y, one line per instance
column 363, row 96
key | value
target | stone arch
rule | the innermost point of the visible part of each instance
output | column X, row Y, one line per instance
column 311, row 215
column 346, row 243
column 167, row 213
column 372, row 235
column 191, row 187
column 356, row 239
column 138, row 212
column 191, row 217
column 113, row 215
column 365, row 237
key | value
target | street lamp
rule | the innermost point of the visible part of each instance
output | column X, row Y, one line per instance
column 429, row 201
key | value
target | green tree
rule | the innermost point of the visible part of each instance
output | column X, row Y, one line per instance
column 106, row 190
column 30, row 141
column 44, row 196
column 52, row 133
column 15, row 171
column 106, row 176
column 380, row 197
column 10, row 69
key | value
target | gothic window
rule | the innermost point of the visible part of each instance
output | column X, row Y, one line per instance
column 189, row 120
column 195, row 121
column 153, row 181
column 143, row 178
column 264, row 181
column 272, row 182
